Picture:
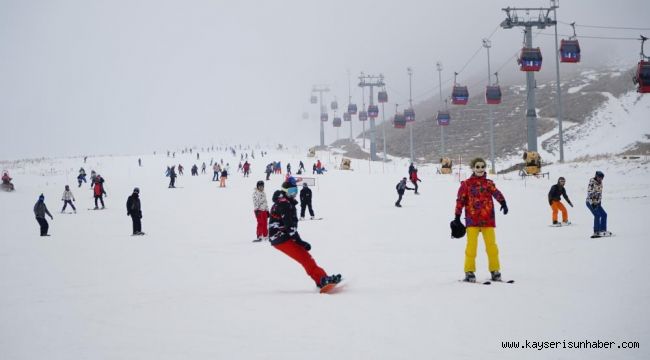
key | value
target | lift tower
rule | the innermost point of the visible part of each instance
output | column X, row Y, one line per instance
column 528, row 22
column 320, row 89
column 372, row 81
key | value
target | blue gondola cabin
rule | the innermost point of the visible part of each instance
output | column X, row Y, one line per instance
column 352, row 109
column 530, row 59
column 373, row 111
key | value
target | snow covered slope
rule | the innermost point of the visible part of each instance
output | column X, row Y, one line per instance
column 196, row 287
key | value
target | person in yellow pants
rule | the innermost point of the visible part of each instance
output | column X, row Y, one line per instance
column 554, row 199
column 475, row 196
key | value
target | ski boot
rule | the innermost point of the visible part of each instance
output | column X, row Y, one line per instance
column 496, row 276
column 470, row 277
column 556, row 223
column 565, row 223
column 605, row 233
column 326, row 280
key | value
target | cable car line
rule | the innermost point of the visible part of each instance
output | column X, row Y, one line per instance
column 606, row 27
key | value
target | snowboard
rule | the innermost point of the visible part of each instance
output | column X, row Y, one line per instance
column 332, row 288
column 600, row 236
column 97, row 209
column 475, row 282
column 560, row 225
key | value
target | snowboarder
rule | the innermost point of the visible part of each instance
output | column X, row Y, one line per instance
column 261, row 210
column 283, row 234
column 216, row 170
column 554, row 199
column 40, row 209
column 134, row 210
column 413, row 175
column 68, row 198
column 594, row 204
column 82, row 176
column 269, row 170
column 6, row 181
column 401, row 187
column 305, row 201
column 172, row 177
column 224, row 177
column 475, row 195
column 98, row 190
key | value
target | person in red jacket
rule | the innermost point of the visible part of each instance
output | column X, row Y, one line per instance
column 475, row 196
column 98, row 190
column 413, row 175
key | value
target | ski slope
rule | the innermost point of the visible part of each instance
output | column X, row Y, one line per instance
column 196, row 287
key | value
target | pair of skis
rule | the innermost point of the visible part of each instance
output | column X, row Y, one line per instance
column 489, row 282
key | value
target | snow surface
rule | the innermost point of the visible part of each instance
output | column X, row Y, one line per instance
column 196, row 287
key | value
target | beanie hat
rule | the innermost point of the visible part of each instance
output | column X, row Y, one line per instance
column 600, row 174
column 41, row 198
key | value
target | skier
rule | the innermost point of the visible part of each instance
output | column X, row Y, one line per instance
column 224, row 176
column 195, row 170
column 203, row 168
column 475, row 195
column 40, row 209
column 133, row 209
column 301, row 167
column 6, row 181
column 554, row 199
column 594, row 199
column 68, row 198
column 172, row 177
column 140, row 162
column 247, row 169
column 180, row 169
column 98, row 191
column 413, row 175
column 261, row 210
column 289, row 168
column 401, row 187
column 305, row 201
column 82, row 176
column 283, row 234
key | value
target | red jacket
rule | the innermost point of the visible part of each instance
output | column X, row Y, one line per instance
column 475, row 195
column 414, row 176
column 98, row 189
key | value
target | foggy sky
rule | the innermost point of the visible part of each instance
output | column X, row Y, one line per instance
column 133, row 76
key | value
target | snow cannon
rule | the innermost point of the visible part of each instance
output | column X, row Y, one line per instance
column 312, row 152
column 532, row 163
column 346, row 164
column 445, row 165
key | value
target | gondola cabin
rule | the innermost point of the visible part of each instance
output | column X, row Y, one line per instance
column 444, row 118
column 347, row 117
column 352, row 109
column 363, row 116
column 399, row 121
column 493, row 94
column 530, row 59
column 642, row 78
column 382, row 97
column 409, row 114
column 373, row 111
column 459, row 95
column 323, row 117
column 336, row 122
column 334, row 105
column 313, row 99
column 569, row 51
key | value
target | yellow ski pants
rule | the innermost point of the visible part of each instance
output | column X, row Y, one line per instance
column 490, row 247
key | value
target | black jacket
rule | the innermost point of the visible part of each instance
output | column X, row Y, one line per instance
column 133, row 205
column 305, row 195
column 556, row 192
column 283, row 222
column 401, row 187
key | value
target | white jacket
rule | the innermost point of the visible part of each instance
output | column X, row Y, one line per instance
column 67, row 196
column 259, row 201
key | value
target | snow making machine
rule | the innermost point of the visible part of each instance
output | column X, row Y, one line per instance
column 532, row 165
column 312, row 152
column 445, row 165
column 346, row 164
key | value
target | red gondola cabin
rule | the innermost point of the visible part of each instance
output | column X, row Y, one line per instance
column 409, row 114
column 530, row 59
column 373, row 111
column 363, row 116
column 569, row 51
column 444, row 118
column 642, row 78
column 493, row 94
column 352, row 109
column 459, row 95
column 399, row 121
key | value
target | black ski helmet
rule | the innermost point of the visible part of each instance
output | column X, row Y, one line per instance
column 457, row 229
column 260, row 183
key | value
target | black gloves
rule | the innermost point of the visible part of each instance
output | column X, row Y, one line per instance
column 504, row 207
column 570, row 204
column 304, row 244
column 457, row 218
